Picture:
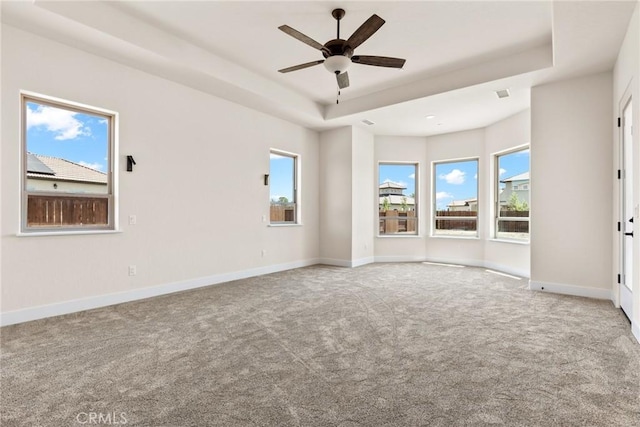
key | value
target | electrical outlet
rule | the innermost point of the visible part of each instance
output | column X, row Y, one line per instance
column 264, row 252
column 132, row 220
column 133, row 270
column 264, row 218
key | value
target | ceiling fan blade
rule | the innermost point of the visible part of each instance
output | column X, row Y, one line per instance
column 301, row 66
column 303, row 38
column 378, row 61
column 365, row 31
column 343, row 80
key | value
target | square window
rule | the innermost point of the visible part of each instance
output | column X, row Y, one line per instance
column 67, row 171
column 455, row 198
column 283, row 188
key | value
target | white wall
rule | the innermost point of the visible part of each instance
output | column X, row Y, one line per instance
column 197, row 189
column 571, row 198
column 513, row 257
column 335, row 196
column 364, row 200
column 453, row 146
column 403, row 149
column 626, row 76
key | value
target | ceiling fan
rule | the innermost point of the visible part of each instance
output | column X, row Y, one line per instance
column 338, row 52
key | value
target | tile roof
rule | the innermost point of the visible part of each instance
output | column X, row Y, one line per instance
column 65, row 170
column 391, row 184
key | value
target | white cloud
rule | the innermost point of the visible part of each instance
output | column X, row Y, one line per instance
column 275, row 156
column 61, row 122
column 502, row 171
column 456, row 177
column 441, row 195
column 96, row 166
column 412, row 176
column 475, row 176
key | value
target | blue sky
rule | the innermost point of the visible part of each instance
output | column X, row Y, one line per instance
column 56, row 132
column 280, row 177
column 401, row 174
column 455, row 180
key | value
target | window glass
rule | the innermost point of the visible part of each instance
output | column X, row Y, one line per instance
column 455, row 198
column 397, row 200
column 512, row 191
column 282, row 188
column 67, row 168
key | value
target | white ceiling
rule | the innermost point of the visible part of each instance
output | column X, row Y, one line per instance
column 458, row 53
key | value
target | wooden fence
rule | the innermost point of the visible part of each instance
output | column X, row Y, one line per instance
column 392, row 222
column 56, row 211
column 506, row 226
column 470, row 224
column 284, row 212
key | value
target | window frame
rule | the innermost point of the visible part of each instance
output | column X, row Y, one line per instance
column 296, row 188
column 496, row 202
column 111, row 169
column 434, row 204
column 416, row 219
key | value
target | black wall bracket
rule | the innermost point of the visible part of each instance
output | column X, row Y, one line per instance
column 266, row 179
column 130, row 163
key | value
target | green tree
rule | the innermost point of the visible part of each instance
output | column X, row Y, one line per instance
column 385, row 204
column 403, row 204
column 283, row 200
column 515, row 204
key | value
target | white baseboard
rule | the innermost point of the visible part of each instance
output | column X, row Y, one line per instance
column 335, row 262
column 73, row 306
column 346, row 263
column 362, row 261
column 400, row 258
column 579, row 291
column 506, row 269
column 635, row 330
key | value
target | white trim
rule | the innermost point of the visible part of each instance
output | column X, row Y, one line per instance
column 579, row 291
column 347, row 263
column 73, row 306
column 635, row 330
column 400, row 258
column 362, row 261
column 65, row 232
column 507, row 269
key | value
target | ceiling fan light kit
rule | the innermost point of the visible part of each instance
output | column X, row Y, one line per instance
column 338, row 53
column 337, row 63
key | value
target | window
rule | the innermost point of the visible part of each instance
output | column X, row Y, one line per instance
column 455, row 198
column 397, row 201
column 68, row 150
column 283, row 188
column 512, row 195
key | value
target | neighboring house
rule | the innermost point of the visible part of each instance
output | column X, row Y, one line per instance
column 518, row 184
column 467, row 205
column 394, row 193
column 49, row 174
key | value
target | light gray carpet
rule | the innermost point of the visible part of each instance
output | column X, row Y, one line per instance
column 380, row 345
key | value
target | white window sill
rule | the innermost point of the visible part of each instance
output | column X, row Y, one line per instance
column 399, row 236
column 516, row 242
column 437, row 236
column 65, row 233
column 284, row 225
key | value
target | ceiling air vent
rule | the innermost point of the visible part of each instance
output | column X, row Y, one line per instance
column 368, row 122
column 503, row 93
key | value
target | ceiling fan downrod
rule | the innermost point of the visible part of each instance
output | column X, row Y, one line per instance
column 338, row 14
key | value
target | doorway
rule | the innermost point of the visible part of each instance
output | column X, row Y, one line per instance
column 626, row 208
